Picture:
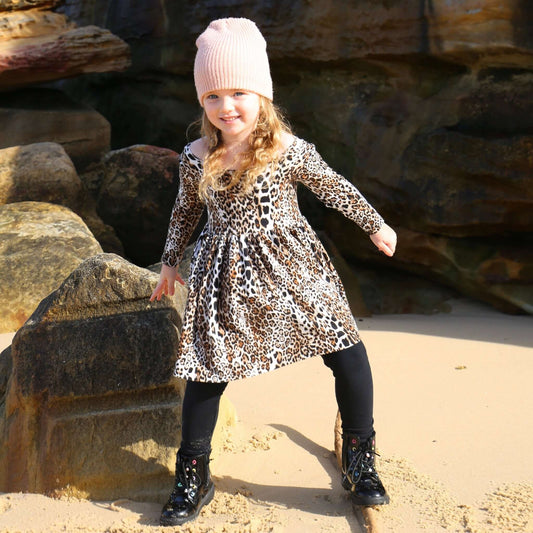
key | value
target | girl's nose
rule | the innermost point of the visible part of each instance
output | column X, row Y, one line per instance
column 227, row 104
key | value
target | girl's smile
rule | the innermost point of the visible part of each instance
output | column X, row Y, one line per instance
column 234, row 112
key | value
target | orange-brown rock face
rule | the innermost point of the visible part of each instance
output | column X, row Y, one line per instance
column 41, row 244
column 426, row 106
column 91, row 407
column 38, row 46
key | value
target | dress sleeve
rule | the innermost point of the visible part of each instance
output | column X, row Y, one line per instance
column 337, row 192
column 186, row 213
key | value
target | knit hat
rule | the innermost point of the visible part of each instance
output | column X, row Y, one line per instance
column 232, row 55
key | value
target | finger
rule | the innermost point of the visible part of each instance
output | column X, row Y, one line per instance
column 180, row 280
column 161, row 289
column 156, row 292
column 386, row 250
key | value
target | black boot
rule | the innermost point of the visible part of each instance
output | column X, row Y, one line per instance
column 193, row 490
column 359, row 474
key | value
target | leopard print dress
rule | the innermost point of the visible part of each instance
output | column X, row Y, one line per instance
column 262, row 290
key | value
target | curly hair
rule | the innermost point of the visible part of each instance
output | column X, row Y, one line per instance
column 264, row 148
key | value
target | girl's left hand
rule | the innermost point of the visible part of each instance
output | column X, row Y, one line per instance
column 385, row 240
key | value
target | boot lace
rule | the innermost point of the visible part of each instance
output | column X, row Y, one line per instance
column 187, row 481
column 362, row 462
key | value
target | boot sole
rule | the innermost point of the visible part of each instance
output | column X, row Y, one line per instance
column 179, row 521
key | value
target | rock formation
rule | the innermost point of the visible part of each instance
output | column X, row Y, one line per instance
column 34, row 115
column 38, row 45
column 40, row 245
column 43, row 172
column 90, row 408
column 426, row 106
column 135, row 189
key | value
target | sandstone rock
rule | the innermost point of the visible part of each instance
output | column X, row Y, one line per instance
column 31, row 24
column 498, row 271
column 43, row 172
column 452, row 191
column 40, row 245
column 425, row 106
column 6, row 366
column 92, row 407
column 468, row 31
column 12, row 5
column 39, row 46
column 137, row 192
column 47, row 115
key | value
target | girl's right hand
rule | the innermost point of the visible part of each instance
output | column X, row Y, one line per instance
column 167, row 280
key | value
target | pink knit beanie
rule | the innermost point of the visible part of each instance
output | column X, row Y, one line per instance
column 232, row 55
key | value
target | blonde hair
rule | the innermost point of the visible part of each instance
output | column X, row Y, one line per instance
column 264, row 149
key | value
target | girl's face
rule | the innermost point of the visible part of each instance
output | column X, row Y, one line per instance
column 233, row 111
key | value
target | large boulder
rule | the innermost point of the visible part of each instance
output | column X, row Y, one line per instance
column 136, row 188
column 40, row 245
column 49, row 115
column 91, row 407
column 37, row 46
column 13, row 5
column 43, row 172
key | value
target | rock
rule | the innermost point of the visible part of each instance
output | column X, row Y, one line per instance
column 39, row 46
column 452, row 191
column 12, row 5
column 40, row 172
column 40, row 245
column 426, row 107
column 94, row 410
column 462, row 30
column 6, row 366
column 43, row 172
column 138, row 189
column 48, row 115
column 498, row 271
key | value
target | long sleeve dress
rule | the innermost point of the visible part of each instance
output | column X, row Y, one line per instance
column 262, row 290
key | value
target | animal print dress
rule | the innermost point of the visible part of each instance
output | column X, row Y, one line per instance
column 262, row 290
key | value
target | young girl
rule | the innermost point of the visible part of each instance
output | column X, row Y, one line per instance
column 262, row 290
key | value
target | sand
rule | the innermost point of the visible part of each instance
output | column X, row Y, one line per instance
column 453, row 404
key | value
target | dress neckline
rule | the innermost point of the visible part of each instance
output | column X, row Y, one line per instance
column 281, row 157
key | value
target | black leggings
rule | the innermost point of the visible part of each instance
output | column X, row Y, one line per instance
column 353, row 390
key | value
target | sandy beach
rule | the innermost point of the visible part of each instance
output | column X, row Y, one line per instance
column 453, row 403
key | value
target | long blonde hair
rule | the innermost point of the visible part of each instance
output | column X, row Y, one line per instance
column 264, row 148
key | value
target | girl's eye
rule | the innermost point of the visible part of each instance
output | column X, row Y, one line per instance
column 240, row 93
column 211, row 97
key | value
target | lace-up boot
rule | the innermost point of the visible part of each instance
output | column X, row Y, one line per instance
column 359, row 474
column 192, row 490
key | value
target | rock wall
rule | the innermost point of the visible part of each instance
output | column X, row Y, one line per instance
column 426, row 106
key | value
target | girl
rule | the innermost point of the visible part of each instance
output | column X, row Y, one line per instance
column 262, row 290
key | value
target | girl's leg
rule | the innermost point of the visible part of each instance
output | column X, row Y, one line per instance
column 199, row 416
column 353, row 388
column 193, row 487
column 355, row 396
